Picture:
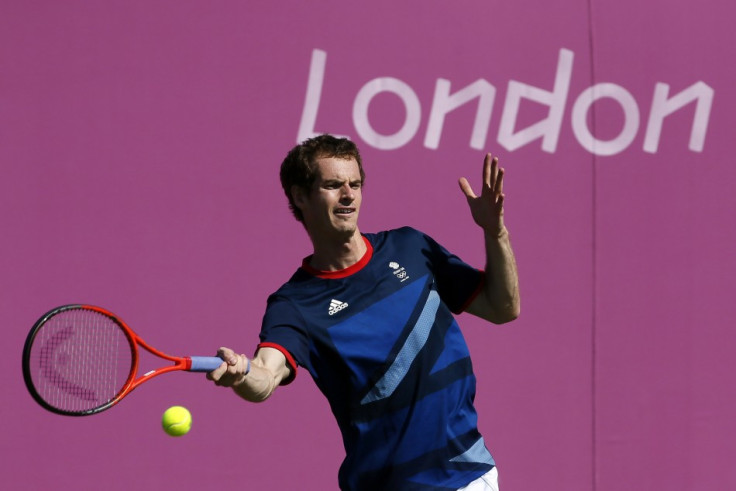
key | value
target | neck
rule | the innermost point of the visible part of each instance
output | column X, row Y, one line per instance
column 335, row 255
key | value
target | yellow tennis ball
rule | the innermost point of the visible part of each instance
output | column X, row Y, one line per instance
column 177, row 421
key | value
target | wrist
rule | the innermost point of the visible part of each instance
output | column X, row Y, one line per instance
column 496, row 233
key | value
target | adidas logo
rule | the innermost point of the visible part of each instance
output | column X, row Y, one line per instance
column 336, row 306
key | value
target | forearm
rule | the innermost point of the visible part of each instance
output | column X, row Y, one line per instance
column 502, row 278
column 499, row 300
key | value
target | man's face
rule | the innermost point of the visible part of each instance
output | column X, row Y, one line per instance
column 332, row 206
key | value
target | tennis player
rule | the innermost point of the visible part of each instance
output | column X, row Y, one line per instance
column 370, row 316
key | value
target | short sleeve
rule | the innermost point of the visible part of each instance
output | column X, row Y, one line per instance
column 458, row 283
column 282, row 328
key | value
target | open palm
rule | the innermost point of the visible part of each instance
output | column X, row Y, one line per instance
column 487, row 209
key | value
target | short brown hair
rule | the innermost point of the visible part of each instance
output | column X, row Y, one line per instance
column 300, row 165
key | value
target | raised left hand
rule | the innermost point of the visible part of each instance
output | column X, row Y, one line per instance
column 487, row 209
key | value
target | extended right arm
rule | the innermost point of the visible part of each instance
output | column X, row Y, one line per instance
column 254, row 380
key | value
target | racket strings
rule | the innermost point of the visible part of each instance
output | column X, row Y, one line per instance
column 81, row 360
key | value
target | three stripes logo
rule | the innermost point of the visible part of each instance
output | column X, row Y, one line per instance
column 336, row 306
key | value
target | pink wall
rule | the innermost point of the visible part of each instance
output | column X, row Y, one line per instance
column 139, row 147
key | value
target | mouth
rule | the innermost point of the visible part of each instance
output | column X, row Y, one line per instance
column 344, row 211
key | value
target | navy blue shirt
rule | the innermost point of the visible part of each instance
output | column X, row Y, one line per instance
column 381, row 343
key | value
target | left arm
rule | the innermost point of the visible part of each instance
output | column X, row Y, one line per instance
column 499, row 300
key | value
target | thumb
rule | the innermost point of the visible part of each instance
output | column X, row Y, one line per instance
column 466, row 188
column 228, row 356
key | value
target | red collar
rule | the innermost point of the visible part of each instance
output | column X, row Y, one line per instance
column 341, row 273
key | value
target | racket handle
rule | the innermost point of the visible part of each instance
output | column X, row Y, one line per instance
column 205, row 363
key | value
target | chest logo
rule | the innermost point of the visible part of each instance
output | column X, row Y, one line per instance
column 336, row 306
column 399, row 271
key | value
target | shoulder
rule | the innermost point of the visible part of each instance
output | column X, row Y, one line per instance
column 396, row 235
column 402, row 241
column 405, row 245
column 299, row 281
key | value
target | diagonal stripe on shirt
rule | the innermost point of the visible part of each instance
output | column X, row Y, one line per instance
column 413, row 345
column 477, row 453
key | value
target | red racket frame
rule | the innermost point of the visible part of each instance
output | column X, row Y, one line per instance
column 180, row 363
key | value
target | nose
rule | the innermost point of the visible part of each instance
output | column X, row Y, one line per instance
column 348, row 193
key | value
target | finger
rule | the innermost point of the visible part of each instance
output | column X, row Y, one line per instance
column 466, row 188
column 217, row 373
column 499, row 182
column 487, row 171
column 239, row 367
column 494, row 173
column 233, row 374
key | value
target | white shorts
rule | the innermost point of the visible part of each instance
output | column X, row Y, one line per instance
column 486, row 482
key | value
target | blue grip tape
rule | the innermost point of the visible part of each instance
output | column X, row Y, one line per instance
column 205, row 363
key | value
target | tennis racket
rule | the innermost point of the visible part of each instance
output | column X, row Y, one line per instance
column 79, row 360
